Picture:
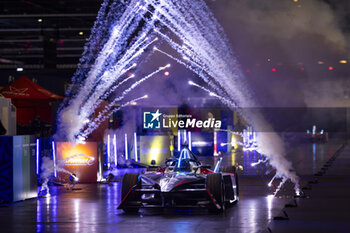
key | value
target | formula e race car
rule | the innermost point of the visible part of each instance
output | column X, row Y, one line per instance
column 183, row 182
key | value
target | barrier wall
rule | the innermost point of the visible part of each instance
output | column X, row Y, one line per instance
column 18, row 179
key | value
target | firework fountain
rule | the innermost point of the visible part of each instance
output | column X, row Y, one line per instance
column 118, row 43
column 47, row 172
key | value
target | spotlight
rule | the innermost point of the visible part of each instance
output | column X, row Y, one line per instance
column 73, row 178
column 19, row 69
column 166, row 73
column 300, row 194
column 191, row 83
column 40, row 20
column 81, row 33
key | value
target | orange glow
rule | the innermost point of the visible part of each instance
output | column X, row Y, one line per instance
column 80, row 160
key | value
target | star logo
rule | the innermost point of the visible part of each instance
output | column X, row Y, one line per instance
column 151, row 120
column 156, row 115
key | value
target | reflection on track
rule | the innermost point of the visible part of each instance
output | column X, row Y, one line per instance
column 93, row 208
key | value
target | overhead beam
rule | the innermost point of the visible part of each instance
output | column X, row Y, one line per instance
column 40, row 40
column 42, row 29
column 9, row 50
column 7, row 16
column 36, row 66
column 21, row 41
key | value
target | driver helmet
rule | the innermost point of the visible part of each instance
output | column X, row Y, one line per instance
column 184, row 165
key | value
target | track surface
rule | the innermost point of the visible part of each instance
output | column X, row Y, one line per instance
column 92, row 208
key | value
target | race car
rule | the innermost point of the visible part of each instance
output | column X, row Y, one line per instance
column 182, row 182
column 315, row 136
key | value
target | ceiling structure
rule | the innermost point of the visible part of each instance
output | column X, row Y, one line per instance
column 44, row 34
column 50, row 34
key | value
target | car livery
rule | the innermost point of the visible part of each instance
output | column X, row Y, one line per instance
column 182, row 182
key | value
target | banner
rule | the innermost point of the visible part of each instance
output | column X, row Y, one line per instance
column 80, row 160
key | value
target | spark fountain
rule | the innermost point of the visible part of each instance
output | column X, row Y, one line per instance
column 48, row 170
column 126, row 29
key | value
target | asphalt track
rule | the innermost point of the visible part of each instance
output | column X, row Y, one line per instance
column 93, row 207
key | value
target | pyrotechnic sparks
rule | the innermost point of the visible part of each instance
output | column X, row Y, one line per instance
column 193, row 33
column 223, row 99
column 258, row 162
column 270, row 183
column 284, row 179
column 105, row 114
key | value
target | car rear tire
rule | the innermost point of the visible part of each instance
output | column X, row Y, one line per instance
column 231, row 169
column 129, row 181
column 215, row 188
column 237, row 185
